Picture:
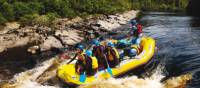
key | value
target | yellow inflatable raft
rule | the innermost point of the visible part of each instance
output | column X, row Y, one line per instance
column 68, row 74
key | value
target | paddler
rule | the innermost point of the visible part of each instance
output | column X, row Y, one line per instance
column 99, row 53
column 86, row 63
column 123, row 43
column 136, row 30
column 133, row 23
column 79, row 51
column 112, row 54
column 130, row 52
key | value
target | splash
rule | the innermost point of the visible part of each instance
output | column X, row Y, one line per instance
column 28, row 79
column 129, row 82
column 154, row 81
column 36, row 78
column 178, row 82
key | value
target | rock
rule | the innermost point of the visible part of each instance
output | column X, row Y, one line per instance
column 71, row 38
column 107, row 25
column 122, row 22
column 33, row 49
column 77, row 19
column 95, row 28
column 10, row 27
column 114, row 21
column 50, row 42
column 61, row 33
column 2, row 49
column 77, row 26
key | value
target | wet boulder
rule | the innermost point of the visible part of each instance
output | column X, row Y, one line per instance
column 50, row 42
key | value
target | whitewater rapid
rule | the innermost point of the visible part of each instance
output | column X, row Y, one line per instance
column 35, row 78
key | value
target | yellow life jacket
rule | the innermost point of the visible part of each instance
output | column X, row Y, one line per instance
column 94, row 63
column 81, row 55
column 83, row 52
column 111, row 57
column 116, row 52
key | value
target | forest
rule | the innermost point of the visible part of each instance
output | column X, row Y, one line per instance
column 45, row 11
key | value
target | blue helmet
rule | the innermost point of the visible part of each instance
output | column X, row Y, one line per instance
column 96, row 42
column 81, row 47
column 88, row 52
column 133, row 41
column 110, row 44
column 133, row 22
column 133, row 52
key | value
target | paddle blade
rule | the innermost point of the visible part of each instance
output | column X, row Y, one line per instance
column 110, row 71
column 82, row 78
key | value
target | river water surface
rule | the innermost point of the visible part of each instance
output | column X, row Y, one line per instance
column 178, row 41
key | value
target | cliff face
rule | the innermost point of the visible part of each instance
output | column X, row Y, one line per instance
column 193, row 8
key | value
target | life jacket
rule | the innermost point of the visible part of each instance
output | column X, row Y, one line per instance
column 98, row 51
column 90, row 62
column 139, row 28
column 112, row 54
column 80, row 64
column 81, row 55
column 94, row 63
column 87, row 61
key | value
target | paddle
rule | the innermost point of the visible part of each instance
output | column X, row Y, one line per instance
column 108, row 68
column 76, row 56
column 82, row 77
column 72, row 59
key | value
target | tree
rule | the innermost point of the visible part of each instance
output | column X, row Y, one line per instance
column 7, row 11
column 2, row 19
column 21, row 9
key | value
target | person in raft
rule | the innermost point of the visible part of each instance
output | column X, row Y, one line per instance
column 131, row 51
column 112, row 55
column 133, row 27
column 86, row 63
column 79, row 51
column 99, row 52
column 136, row 30
column 123, row 43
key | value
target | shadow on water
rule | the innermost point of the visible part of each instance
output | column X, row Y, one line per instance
column 195, row 22
column 17, row 59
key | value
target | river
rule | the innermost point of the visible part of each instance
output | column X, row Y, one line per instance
column 177, row 39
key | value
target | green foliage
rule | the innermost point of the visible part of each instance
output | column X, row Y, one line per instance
column 28, row 19
column 7, row 10
column 43, row 20
column 41, row 11
column 21, row 9
column 161, row 5
column 2, row 19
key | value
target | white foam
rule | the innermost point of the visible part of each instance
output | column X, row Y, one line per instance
column 28, row 78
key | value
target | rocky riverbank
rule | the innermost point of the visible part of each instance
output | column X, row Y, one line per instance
column 63, row 33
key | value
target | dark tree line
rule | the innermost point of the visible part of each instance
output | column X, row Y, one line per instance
column 44, row 11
